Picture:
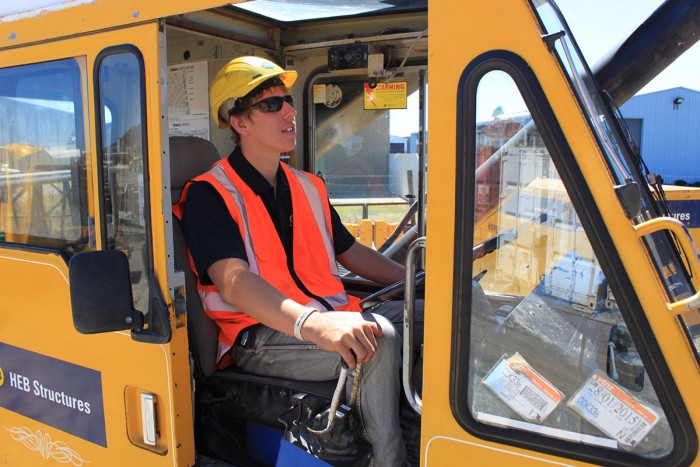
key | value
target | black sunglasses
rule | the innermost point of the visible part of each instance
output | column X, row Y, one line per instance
column 272, row 104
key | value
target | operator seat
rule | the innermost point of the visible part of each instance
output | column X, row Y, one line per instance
column 189, row 157
column 224, row 399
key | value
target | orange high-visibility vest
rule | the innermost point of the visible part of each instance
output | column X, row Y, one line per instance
column 314, row 255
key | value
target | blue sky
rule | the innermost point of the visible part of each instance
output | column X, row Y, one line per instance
column 599, row 25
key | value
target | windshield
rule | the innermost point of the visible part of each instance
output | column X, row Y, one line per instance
column 625, row 165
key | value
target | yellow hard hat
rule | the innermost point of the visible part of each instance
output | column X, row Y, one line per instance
column 240, row 76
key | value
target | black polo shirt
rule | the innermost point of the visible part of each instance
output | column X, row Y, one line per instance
column 212, row 234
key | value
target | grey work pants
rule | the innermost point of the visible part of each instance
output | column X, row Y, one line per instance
column 277, row 354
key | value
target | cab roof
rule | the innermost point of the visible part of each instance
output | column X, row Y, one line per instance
column 306, row 10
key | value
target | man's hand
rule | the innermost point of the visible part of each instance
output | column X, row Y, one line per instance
column 345, row 332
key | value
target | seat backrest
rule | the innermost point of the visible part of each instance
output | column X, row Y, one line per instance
column 191, row 156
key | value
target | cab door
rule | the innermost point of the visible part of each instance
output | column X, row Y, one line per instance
column 81, row 144
column 551, row 333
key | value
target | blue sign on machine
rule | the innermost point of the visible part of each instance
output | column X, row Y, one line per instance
column 54, row 392
column 686, row 211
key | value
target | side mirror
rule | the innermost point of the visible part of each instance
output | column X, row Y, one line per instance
column 100, row 292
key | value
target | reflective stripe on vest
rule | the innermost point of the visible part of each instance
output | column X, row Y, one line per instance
column 316, row 270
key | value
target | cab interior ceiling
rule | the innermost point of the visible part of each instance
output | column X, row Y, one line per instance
column 395, row 35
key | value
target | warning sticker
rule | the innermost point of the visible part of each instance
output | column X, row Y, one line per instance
column 386, row 96
column 613, row 411
column 524, row 390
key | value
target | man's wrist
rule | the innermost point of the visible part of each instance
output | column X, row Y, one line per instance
column 301, row 319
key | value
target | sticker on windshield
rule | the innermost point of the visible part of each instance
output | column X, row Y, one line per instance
column 613, row 411
column 524, row 390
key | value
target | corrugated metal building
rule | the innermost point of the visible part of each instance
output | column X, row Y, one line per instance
column 666, row 127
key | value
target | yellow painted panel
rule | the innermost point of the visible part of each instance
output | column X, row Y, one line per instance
column 94, row 16
column 366, row 232
column 381, row 232
column 392, row 226
column 47, row 333
column 452, row 452
column 353, row 229
column 444, row 441
column 35, row 312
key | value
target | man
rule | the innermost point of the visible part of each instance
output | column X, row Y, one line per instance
column 264, row 241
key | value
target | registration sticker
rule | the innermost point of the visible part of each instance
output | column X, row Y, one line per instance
column 613, row 411
column 524, row 390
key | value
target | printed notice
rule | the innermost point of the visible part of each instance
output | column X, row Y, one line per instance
column 319, row 93
column 386, row 96
column 188, row 100
column 524, row 390
column 613, row 411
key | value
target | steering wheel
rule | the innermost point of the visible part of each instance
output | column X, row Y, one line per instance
column 390, row 291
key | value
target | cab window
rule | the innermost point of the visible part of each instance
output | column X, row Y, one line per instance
column 366, row 146
column 549, row 359
column 122, row 157
column 43, row 194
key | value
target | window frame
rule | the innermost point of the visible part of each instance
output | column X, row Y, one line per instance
column 99, row 142
column 684, row 436
column 159, row 329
